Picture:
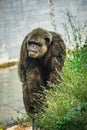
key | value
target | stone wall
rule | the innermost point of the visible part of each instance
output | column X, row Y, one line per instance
column 18, row 17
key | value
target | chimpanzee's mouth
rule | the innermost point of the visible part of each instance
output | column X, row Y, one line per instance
column 32, row 51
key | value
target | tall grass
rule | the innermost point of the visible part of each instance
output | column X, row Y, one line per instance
column 75, row 32
column 67, row 102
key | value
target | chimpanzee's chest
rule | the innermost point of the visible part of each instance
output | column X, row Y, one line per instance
column 45, row 70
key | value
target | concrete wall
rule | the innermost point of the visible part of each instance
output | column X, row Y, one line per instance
column 18, row 17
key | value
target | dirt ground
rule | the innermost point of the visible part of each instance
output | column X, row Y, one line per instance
column 20, row 127
column 24, row 126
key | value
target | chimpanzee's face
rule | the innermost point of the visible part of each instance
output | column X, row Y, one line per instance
column 37, row 45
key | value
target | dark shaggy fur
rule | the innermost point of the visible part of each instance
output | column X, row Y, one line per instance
column 36, row 72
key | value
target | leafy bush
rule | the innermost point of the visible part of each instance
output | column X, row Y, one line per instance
column 67, row 102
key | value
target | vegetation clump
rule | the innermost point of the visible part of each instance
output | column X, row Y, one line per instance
column 67, row 102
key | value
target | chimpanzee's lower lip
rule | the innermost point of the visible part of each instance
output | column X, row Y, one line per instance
column 33, row 51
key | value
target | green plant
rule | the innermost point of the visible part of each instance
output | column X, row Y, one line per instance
column 76, row 119
column 24, row 118
column 75, row 33
column 66, row 103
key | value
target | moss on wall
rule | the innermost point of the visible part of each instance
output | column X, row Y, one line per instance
column 8, row 64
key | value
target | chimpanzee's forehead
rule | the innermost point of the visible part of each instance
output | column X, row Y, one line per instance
column 36, row 38
column 34, row 41
column 39, row 34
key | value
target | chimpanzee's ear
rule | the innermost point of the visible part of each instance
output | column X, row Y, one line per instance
column 48, row 38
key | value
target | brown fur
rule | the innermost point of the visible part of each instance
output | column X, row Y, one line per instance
column 36, row 72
